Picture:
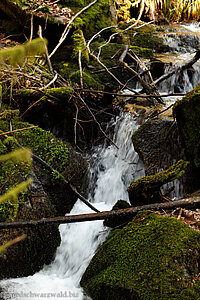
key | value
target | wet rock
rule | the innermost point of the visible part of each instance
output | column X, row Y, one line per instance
column 153, row 257
column 28, row 256
column 187, row 112
column 158, row 145
column 118, row 221
column 146, row 190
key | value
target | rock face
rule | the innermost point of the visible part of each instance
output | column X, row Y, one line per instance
column 47, row 197
column 186, row 112
column 153, row 257
column 159, row 145
column 29, row 256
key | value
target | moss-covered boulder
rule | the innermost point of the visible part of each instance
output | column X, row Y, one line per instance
column 146, row 190
column 151, row 258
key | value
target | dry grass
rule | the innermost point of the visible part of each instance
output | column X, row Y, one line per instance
column 177, row 10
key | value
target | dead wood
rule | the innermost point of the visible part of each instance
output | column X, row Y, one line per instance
column 148, row 88
column 191, row 203
column 179, row 69
column 128, row 95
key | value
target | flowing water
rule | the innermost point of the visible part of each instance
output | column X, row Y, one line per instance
column 111, row 171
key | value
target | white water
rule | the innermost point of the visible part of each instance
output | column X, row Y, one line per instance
column 111, row 172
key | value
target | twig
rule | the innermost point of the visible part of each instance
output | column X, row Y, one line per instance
column 65, row 180
column 162, row 111
column 31, row 35
column 147, row 87
column 80, row 68
column 93, row 116
column 46, row 50
column 21, row 129
column 50, row 83
column 129, row 95
column 76, row 117
column 110, row 38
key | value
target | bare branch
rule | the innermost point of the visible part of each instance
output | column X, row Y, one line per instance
column 67, row 28
column 105, row 215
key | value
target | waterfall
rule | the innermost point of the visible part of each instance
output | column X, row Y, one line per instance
column 111, row 172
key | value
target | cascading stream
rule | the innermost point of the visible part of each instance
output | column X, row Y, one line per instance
column 111, row 172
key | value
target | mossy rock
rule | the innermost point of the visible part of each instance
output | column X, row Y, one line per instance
column 98, row 16
column 88, row 80
column 187, row 114
column 29, row 256
column 152, row 258
column 59, row 155
column 47, row 197
column 145, row 190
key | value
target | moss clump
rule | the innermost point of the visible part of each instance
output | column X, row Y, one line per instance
column 11, row 174
column 79, row 43
column 43, row 144
column 110, row 49
column 94, row 18
column 88, row 80
column 187, row 114
column 147, row 39
column 151, row 258
column 62, row 93
column 145, row 190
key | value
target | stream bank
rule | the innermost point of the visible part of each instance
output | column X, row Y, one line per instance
column 112, row 169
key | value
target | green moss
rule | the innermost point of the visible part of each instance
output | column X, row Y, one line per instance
column 9, row 114
column 187, row 113
column 58, row 94
column 93, row 19
column 153, row 257
column 88, row 80
column 11, row 174
column 42, row 143
column 79, row 43
column 67, row 69
column 145, row 189
column 147, row 39
column 175, row 171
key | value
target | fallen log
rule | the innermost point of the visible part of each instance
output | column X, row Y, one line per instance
column 193, row 202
